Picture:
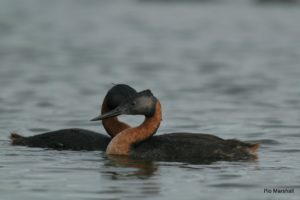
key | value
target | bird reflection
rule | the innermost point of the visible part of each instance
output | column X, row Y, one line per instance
column 142, row 169
column 138, row 174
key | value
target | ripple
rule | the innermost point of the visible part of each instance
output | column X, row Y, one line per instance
column 77, row 122
column 88, row 91
column 258, row 134
column 233, row 185
column 280, row 126
column 45, row 104
column 287, row 150
column 5, row 28
column 42, row 79
column 292, row 135
column 277, row 168
column 269, row 142
column 10, row 110
column 39, row 130
column 229, row 176
column 211, row 67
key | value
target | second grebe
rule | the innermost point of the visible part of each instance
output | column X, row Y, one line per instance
column 81, row 139
column 138, row 142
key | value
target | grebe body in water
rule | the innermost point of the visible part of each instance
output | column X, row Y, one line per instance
column 82, row 139
column 139, row 142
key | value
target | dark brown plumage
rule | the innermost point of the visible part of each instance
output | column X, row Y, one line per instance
column 64, row 139
column 192, row 147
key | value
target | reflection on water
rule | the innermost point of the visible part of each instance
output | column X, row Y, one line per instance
column 142, row 168
column 228, row 68
column 120, row 170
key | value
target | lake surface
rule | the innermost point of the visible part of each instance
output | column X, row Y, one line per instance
column 231, row 69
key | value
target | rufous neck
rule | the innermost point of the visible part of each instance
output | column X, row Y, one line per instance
column 112, row 125
column 121, row 144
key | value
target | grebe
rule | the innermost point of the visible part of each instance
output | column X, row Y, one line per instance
column 81, row 139
column 137, row 142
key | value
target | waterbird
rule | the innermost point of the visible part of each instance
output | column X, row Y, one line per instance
column 82, row 139
column 139, row 142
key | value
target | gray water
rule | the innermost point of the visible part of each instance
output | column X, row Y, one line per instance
column 229, row 68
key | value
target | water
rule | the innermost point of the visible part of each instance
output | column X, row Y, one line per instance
column 229, row 68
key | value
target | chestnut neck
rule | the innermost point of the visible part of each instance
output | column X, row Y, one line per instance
column 121, row 144
column 112, row 125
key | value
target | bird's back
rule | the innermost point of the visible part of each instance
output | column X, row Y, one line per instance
column 191, row 147
column 64, row 139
